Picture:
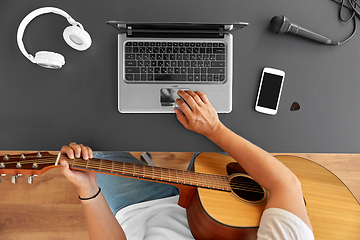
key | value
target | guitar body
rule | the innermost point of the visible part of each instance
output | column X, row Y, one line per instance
column 220, row 215
column 333, row 210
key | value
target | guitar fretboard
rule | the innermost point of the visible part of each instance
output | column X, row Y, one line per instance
column 202, row 180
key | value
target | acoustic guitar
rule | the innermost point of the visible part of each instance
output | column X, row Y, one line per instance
column 221, row 200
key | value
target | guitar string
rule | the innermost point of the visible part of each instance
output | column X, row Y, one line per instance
column 130, row 170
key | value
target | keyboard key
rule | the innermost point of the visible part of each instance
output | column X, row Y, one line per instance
column 218, row 64
column 130, row 56
column 219, row 50
column 136, row 77
column 169, row 77
column 216, row 70
column 132, row 70
column 220, row 57
column 129, row 77
column 130, row 63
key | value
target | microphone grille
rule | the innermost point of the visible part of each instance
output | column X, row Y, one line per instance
column 280, row 24
column 276, row 23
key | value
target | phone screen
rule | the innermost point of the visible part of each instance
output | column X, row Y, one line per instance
column 270, row 90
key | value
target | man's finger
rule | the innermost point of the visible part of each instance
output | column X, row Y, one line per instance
column 187, row 98
column 68, row 151
column 183, row 106
column 203, row 97
column 181, row 118
column 64, row 168
column 195, row 97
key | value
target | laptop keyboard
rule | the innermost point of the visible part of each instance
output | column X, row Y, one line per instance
column 174, row 62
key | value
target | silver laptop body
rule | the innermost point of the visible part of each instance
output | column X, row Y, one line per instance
column 141, row 90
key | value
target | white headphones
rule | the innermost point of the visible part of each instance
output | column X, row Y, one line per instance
column 75, row 36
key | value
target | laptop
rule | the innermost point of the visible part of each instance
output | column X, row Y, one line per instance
column 157, row 59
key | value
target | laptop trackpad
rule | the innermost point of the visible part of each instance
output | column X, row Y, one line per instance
column 169, row 95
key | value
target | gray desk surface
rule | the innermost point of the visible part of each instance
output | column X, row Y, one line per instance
column 43, row 109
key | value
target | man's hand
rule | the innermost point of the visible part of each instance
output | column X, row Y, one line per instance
column 84, row 181
column 197, row 114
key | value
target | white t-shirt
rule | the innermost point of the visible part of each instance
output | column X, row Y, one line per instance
column 164, row 219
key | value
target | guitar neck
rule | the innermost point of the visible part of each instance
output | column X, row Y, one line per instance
column 150, row 173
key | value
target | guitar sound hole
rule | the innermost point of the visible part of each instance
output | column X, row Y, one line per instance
column 246, row 188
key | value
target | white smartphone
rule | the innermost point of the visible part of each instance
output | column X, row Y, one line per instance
column 271, row 84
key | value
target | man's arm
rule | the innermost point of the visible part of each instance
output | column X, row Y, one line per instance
column 283, row 186
column 101, row 222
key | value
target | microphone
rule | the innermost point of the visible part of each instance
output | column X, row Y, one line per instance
column 282, row 24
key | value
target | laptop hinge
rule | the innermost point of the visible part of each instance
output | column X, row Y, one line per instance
column 130, row 31
column 221, row 32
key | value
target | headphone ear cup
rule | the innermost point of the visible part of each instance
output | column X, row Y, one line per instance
column 77, row 38
column 49, row 59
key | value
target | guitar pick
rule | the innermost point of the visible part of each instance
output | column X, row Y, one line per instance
column 295, row 106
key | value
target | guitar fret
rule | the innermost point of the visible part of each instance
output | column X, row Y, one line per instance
column 157, row 173
column 221, row 186
column 189, row 178
column 202, row 180
column 104, row 166
column 193, row 177
column 206, row 180
column 215, row 182
column 172, row 173
column 196, row 179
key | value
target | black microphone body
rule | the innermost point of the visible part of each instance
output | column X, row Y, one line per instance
column 283, row 25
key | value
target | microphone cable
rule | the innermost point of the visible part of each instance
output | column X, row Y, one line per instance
column 352, row 6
